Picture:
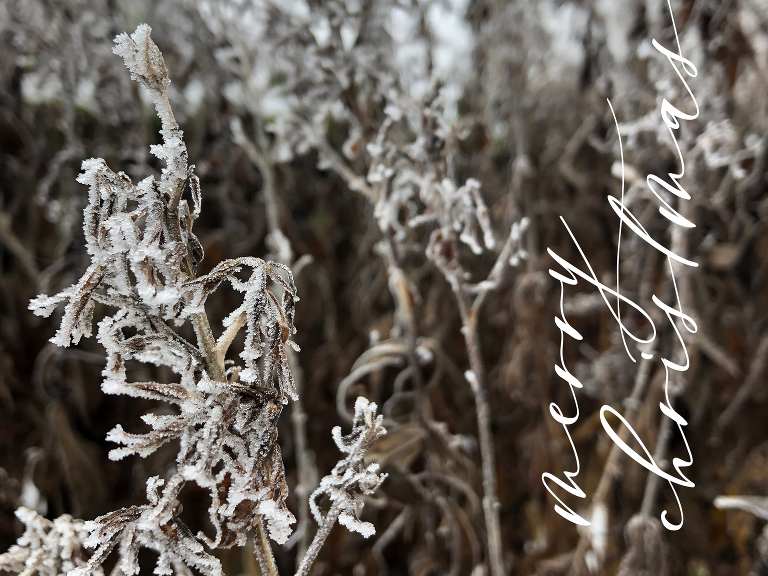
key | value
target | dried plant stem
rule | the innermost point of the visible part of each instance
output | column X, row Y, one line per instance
column 263, row 162
column 398, row 285
column 208, row 344
column 490, row 500
column 612, row 465
column 304, row 462
column 317, row 542
column 264, row 550
column 388, row 536
column 215, row 363
column 224, row 341
column 202, row 327
column 338, row 165
column 469, row 315
column 177, row 165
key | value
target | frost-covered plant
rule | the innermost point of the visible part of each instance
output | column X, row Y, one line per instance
column 416, row 191
column 350, row 479
column 351, row 471
column 47, row 548
column 144, row 257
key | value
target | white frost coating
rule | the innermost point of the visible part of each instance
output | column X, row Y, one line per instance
column 278, row 521
column 349, row 481
column 351, row 478
column 142, row 57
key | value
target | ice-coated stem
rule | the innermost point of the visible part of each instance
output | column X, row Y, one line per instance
column 317, row 542
column 264, row 550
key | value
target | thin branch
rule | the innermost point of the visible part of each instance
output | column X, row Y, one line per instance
column 305, row 465
column 612, row 466
column 337, row 164
column 226, row 339
column 208, row 344
column 264, row 550
column 263, row 162
column 317, row 542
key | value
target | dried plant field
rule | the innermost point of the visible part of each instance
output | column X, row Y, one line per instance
column 275, row 289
